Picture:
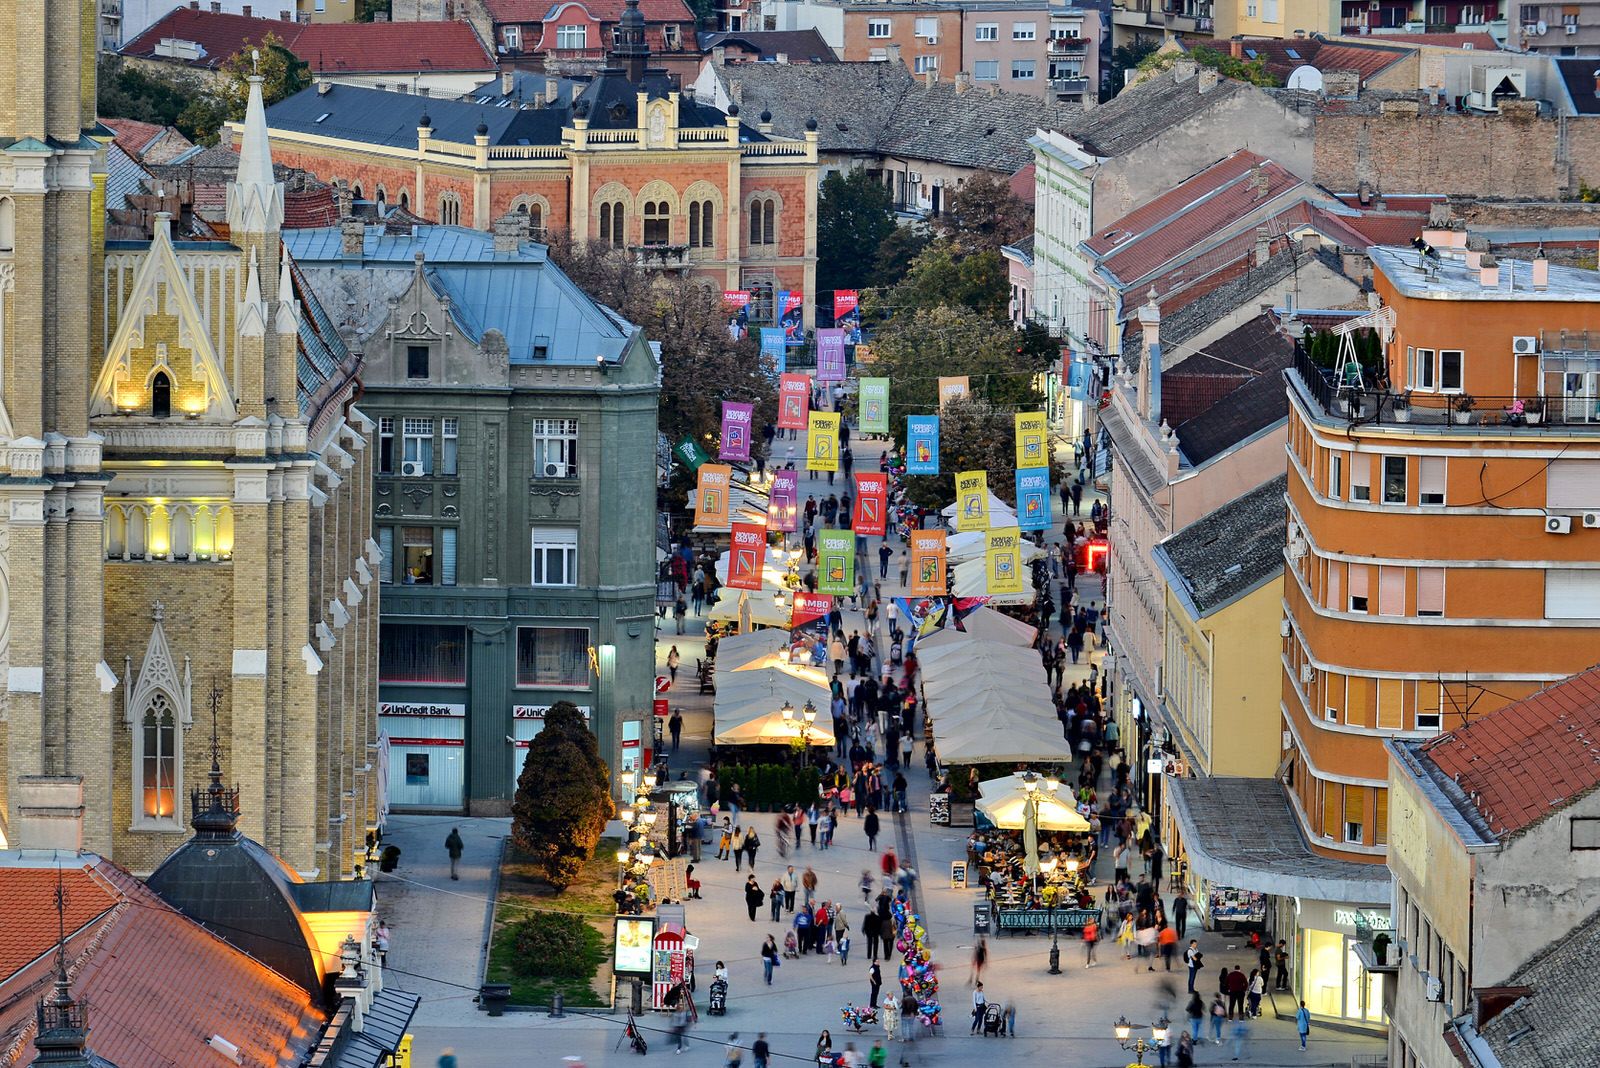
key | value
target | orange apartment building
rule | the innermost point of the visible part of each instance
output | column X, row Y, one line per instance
column 1443, row 543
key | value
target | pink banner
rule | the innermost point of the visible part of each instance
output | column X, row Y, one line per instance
column 871, row 504
column 736, row 420
column 830, row 355
column 783, row 501
column 794, row 401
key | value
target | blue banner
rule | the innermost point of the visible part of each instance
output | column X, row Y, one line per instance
column 922, row 444
column 1078, row 378
column 772, row 344
column 1033, row 498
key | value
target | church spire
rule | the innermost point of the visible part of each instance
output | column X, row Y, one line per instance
column 255, row 199
column 216, row 808
column 63, row 1034
column 629, row 46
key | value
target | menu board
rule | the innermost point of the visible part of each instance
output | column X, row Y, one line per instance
column 958, row 875
column 939, row 810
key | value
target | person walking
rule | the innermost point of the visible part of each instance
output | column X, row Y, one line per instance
column 1196, row 1011
column 871, row 826
column 885, row 554
column 675, row 727
column 1186, row 1050
column 1091, row 936
column 1195, row 960
column 871, row 925
column 980, row 1004
column 1180, row 911
column 1257, row 987
column 980, row 959
column 875, row 977
column 1238, row 985
column 790, row 884
column 453, row 846
column 760, row 1050
column 808, row 883
column 775, row 897
column 891, row 1015
column 752, row 842
column 1219, row 1013
column 680, row 612
column 738, row 847
column 753, row 896
column 672, row 665
column 1241, row 1036
column 1302, row 1025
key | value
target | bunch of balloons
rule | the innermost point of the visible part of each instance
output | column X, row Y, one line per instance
column 918, row 973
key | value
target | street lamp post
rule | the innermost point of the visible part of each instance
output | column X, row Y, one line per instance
column 1138, row 1046
column 1047, row 866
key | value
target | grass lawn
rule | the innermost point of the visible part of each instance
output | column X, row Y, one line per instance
column 522, row 893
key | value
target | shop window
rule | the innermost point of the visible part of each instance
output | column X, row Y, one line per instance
column 553, row 656
column 422, row 652
column 416, row 545
column 416, row 769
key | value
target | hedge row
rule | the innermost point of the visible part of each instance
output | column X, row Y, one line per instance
column 768, row 787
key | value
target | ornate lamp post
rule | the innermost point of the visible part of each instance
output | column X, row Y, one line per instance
column 1138, row 1046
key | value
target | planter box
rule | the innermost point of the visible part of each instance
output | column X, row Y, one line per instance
column 1462, row 418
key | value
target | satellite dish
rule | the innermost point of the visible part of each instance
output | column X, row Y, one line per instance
column 1306, row 77
column 1541, row 27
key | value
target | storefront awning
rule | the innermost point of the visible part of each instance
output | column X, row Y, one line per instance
column 1242, row 833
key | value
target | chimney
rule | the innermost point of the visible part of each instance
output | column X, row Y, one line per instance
column 719, row 55
column 1260, row 179
column 1207, row 79
column 1474, row 259
column 892, row 52
column 552, row 89
column 736, row 91
column 1263, row 245
column 508, row 82
column 963, row 81
column 352, row 237
column 245, row 11
column 1541, row 270
column 510, row 230
column 1184, row 69
column 216, row 7
column 324, row 87
column 1489, row 272
column 1236, row 46
column 1364, row 193
column 342, row 198
column 1150, row 362
column 48, row 813
column 783, row 57
column 194, row 5
column 931, row 77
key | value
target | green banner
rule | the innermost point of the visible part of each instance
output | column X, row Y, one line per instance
column 836, row 562
column 873, row 406
column 690, row 452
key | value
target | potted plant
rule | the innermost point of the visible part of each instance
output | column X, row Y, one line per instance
column 1380, row 947
column 1533, row 410
column 1463, row 406
column 1402, row 407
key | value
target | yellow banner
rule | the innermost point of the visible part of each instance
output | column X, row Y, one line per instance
column 972, row 500
column 928, row 563
column 951, row 388
column 711, row 495
column 1003, row 556
column 822, row 442
column 1031, row 440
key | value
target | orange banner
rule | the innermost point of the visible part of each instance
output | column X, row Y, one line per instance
column 928, row 563
column 711, row 495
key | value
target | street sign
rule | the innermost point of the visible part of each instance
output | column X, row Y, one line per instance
column 662, row 684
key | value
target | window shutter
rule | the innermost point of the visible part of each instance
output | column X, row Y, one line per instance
column 1355, row 804
column 1381, row 819
column 1391, row 704
column 1431, row 477
column 1358, row 580
column 1572, row 484
column 1571, row 594
column 1360, row 475
column 386, row 547
column 1330, row 810
column 447, row 567
column 1358, row 705
column 1430, row 591
column 1336, row 585
column 1391, row 591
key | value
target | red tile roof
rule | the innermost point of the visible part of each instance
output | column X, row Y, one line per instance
column 1283, row 57
column 29, row 933
column 654, row 11
column 1476, row 41
column 158, row 984
column 1521, row 763
column 133, row 135
column 328, row 47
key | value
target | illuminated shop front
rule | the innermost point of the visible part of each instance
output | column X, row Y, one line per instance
column 1330, row 974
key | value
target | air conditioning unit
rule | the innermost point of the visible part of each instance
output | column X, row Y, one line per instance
column 914, row 176
column 411, row 469
column 1524, row 346
column 1488, row 86
column 1297, row 548
column 1558, row 524
column 1374, row 6
column 1308, row 674
column 555, row 470
column 1591, row 520
column 1285, row 628
column 1572, row 28
column 1433, row 989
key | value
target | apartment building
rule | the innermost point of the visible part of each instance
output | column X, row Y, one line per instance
column 1290, row 19
column 1444, row 527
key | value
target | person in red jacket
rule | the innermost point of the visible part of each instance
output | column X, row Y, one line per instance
column 1237, row 985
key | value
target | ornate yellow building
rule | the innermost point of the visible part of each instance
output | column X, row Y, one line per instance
column 184, row 507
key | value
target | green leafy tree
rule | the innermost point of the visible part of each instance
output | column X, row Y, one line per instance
column 944, row 275
column 1128, row 57
column 282, row 72
column 125, row 91
column 985, row 214
column 975, row 435
column 897, row 252
column 563, row 797
column 1253, row 71
column 854, row 217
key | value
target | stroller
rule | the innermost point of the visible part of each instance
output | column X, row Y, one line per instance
column 791, row 947
column 719, row 997
column 858, row 1018
column 993, row 1020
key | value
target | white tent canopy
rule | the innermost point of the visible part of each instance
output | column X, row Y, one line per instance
column 738, row 650
column 973, row 544
column 982, row 623
column 960, row 661
column 996, row 734
column 972, row 580
column 950, row 698
column 763, row 610
column 1005, row 802
column 747, row 696
column 997, row 507
column 773, row 729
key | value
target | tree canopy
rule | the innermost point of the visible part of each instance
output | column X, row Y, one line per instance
column 563, row 798
column 985, row 214
column 943, row 275
column 198, row 109
column 854, row 218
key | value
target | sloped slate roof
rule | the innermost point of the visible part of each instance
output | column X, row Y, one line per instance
column 882, row 109
column 1283, row 57
column 1143, row 112
column 1250, row 407
column 800, row 46
column 1555, row 1024
column 1231, row 551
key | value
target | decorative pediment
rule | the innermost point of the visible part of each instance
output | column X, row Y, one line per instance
column 158, row 674
column 161, row 330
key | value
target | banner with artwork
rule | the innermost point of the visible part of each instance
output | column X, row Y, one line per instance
column 951, row 388
column 737, row 303
column 870, row 512
column 808, row 628
column 822, row 442
column 794, row 401
column 783, row 501
column 863, row 354
column 972, row 500
column 1033, row 498
column 1031, row 439
column 928, row 563
column 1003, row 561
column 1077, row 376
column 830, row 355
column 747, row 554
column 872, row 406
column 791, row 316
column 711, row 495
column 923, row 616
column 847, row 314
column 736, row 420
column 689, row 452
column 922, row 444
column 836, row 562
column 773, row 348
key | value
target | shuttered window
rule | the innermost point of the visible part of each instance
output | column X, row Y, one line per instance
column 1358, row 587
column 1573, row 484
column 1380, row 823
column 1431, row 478
column 1360, row 477
column 1330, row 809
column 1355, row 812
column 1358, row 703
column 1391, row 591
column 1336, row 585
column 1430, row 591
column 1391, row 704
column 1571, row 594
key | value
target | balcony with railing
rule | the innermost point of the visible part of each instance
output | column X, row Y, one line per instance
column 1069, row 87
column 1068, row 48
column 661, row 257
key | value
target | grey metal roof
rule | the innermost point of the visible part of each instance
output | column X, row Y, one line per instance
column 1214, row 561
column 523, row 295
column 124, row 176
column 1144, row 111
column 882, row 109
column 1555, row 1024
column 349, row 895
column 383, row 1027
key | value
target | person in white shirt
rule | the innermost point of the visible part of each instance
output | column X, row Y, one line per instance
column 979, row 1004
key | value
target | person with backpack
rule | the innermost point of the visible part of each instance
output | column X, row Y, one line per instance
column 453, row 847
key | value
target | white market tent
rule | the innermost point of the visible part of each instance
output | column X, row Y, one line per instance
column 998, row 510
column 773, row 729
column 972, row 580
column 973, row 544
column 749, row 696
column 1026, row 695
column 1005, row 800
column 997, row 734
column 959, row 661
column 756, row 609
column 982, row 623
column 738, row 651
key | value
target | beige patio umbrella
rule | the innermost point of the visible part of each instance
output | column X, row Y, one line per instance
column 1006, row 801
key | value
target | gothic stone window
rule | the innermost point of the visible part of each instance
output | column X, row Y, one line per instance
column 450, row 210
column 763, row 221
column 657, row 223
column 613, row 224
column 157, row 761
column 702, row 224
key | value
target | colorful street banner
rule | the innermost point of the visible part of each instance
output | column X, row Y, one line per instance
column 830, row 355
column 847, row 314
column 791, row 316
column 863, row 354
column 689, row 452
column 871, row 509
column 872, row 406
column 922, row 444
column 737, row 303
column 972, row 500
column 1033, row 498
column 923, row 615
column 809, row 607
column 736, row 298
column 747, row 554
column 1003, row 561
column 822, row 442
column 772, row 346
column 1031, row 439
column 783, row 501
column 711, row 493
column 928, row 563
column 1077, row 376
column 736, row 426
column 808, row 629
column 836, row 562
column 951, row 388
column 794, row 401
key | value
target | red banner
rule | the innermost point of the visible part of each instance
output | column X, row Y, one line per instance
column 746, row 556
column 845, row 301
column 794, row 401
column 809, row 607
column 870, row 515
column 736, row 298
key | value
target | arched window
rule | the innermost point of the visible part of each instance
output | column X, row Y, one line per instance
column 535, row 213
column 657, row 223
column 763, row 221
column 382, row 199
column 161, row 396
column 182, row 523
column 614, row 224
column 405, row 199
column 356, row 191
column 702, row 224
column 116, row 533
column 450, row 210
column 136, row 529
column 8, row 224
column 157, row 760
